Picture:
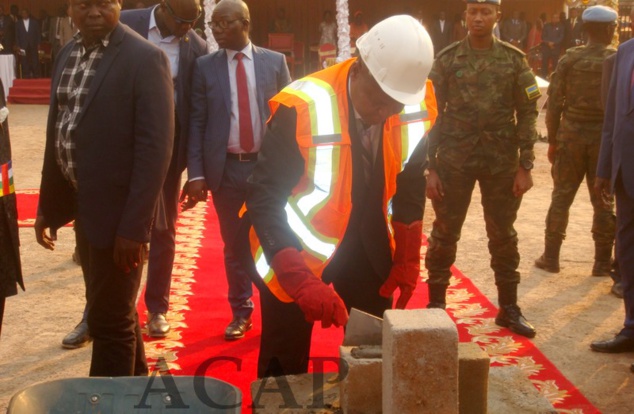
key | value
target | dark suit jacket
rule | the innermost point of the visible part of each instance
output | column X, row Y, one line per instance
column 9, row 234
column 8, row 34
column 617, row 145
column 124, row 141
column 441, row 38
column 211, row 108
column 191, row 48
column 28, row 40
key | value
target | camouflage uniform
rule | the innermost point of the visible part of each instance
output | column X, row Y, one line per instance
column 574, row 120
column 477, row 138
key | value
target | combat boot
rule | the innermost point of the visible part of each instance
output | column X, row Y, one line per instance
column 602, row 259
column 510, row 315
column 437, row 294
column 549, row 261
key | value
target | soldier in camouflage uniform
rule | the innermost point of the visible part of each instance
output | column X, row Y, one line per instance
column 485, row 132
column 574, row 120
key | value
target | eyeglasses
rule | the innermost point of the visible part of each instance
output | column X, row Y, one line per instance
column 180, row 20
column 222, row 24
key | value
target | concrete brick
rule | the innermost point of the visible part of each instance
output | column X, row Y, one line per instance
column 420, row 362
column 297, row 394
column 361, row 388
column 473, row 377
column 510, row 391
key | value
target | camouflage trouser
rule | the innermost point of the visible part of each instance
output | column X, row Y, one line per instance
column 500, row 211
column 574, row 161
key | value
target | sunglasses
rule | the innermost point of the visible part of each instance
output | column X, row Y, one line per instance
column 180, row 20
column 223, row 24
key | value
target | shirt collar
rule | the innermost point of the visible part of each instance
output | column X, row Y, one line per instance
column 104, row 42
column 154, row 26
column 247, row 51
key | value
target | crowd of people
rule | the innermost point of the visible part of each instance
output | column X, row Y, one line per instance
column 334, row 197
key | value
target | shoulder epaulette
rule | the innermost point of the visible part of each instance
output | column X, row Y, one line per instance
column 448, row 48
column 513, row 48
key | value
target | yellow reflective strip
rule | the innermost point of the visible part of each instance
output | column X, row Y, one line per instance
column 261, row 265
column 322, row 104
column 322, row 175
column 317, row 247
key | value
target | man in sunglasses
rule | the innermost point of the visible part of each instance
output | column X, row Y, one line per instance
column 230, row 91
column 169, row 26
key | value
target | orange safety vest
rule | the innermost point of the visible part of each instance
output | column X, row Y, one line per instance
column 319, row 206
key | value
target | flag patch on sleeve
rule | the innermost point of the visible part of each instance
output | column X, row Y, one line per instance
column 533, row 92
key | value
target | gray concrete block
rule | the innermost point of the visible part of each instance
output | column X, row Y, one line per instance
column 473, row 377
column 297, row 394
column 420, row 362
column 361, row 387
column 510, row 391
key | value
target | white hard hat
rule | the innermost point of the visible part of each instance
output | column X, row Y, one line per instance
column 399, row 54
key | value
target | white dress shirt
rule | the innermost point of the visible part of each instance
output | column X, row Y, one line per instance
column 170, row 44
column 234, row 130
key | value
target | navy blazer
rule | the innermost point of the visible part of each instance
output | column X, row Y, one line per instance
column 124, row 139
column 211, row 108
column 617, row 143
column 192, row 47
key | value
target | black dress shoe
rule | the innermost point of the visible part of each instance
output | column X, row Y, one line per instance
column 157, row 325
column 510, row 316
column 618, row 344
column 78, row 337
column 237, row 328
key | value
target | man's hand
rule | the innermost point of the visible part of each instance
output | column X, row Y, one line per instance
column 43, row 239
column 193, row 192
column 128, row 254
column 523, row 182
column 552, row 152
column 602, row 190
column 434, row 189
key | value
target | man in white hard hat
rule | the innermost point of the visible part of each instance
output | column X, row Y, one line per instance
column 341, row 145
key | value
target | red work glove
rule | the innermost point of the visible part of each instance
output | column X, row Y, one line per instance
column 406, row 266
column 318, row 301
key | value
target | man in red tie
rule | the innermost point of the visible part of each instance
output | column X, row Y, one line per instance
column 230, row 91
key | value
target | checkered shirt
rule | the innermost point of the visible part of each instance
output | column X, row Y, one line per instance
column 73, row 88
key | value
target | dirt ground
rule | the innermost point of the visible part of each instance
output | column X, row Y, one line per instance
column 569, row 309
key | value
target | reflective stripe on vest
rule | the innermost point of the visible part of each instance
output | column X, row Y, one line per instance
column 322, row 160
column 319, row 207
column 6, row 179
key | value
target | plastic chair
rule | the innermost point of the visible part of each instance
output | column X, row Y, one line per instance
column 156, row 394
column 327, row 54
column 284, row 43
column 298, row 55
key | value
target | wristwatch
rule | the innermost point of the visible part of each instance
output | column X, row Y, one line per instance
column 526, row 164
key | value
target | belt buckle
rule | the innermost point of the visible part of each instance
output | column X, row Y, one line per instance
column 241, row 155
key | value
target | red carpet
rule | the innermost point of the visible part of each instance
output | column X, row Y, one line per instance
column 30, row 91
column 27, row 207
column 199, row 313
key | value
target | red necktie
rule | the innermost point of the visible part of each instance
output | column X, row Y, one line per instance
column 244, row 108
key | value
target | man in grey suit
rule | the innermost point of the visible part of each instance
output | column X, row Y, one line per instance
column 230, row 91
column 615, row 174
column 109, row 141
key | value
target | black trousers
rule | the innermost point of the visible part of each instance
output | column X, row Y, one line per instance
column 286, row 336
column 113, row 321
